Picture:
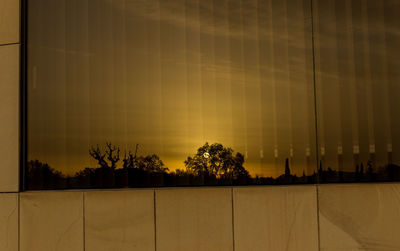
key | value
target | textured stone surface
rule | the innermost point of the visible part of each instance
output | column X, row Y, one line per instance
column 9, row 114
column 9, row 21
column 51, row 221
column 360, row 217
column 119, row 220
column 194, row 219
column 8, row 221
column 276, row 218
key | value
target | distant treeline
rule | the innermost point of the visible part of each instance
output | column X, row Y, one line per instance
column 212, row 165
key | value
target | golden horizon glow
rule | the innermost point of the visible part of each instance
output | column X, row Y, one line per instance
column 172, row 75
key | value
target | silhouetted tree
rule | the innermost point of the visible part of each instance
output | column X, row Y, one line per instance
column 238, row 170
column 109, row 158
column 129, row 160
column 216, row 160
column 42, row 176
column 85, row 172
column 151, row 163
column 37, row 166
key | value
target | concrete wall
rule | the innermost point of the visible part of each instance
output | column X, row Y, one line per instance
column 9, row 114
column 9, row 94
column 324, row 217
column 350, row 217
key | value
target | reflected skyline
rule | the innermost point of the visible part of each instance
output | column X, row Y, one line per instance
column 358, row 87
column 212, row 164
column 171, row 75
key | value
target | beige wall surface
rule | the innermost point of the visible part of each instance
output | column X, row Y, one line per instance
column 351, row 217
column 9, row 21
column 9, row 114
column 276, row 218
column 9, row 128
column 8, row 221
column 9, row 94
column 51, row 221
column 194, row 219
column 119, row 220
column 360, row 217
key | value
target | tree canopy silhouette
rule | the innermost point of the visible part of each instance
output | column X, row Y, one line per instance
column 216, row 160
column 111, row 156
column 151, row 163
column 42, row 176
column 108, row 159
column 211, row 165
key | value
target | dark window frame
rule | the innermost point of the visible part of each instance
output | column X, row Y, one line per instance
column 23, row 117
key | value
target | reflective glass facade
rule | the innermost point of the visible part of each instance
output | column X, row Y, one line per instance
column 143, row 93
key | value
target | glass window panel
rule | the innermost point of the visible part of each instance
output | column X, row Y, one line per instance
column 357, row 80
column 135, row 93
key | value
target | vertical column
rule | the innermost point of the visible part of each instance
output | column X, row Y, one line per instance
column 9, row 94
column 9, row 114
